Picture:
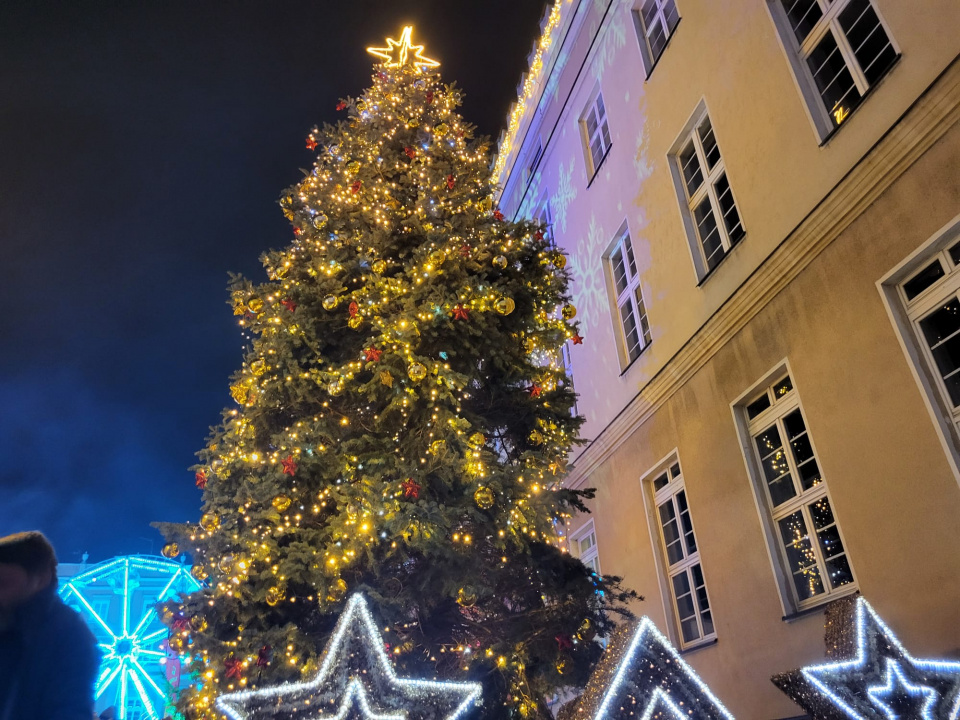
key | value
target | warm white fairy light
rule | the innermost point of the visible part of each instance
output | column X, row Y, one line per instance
column 457, row 695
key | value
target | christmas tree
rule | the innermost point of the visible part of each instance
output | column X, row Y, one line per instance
column 401, row 425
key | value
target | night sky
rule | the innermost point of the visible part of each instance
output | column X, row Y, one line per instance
column 143, row 147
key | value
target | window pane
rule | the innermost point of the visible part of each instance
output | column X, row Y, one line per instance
column 955, row 254
column 869, row 41
column 671, row 14
column 776, row 471
column 709, row 233
column 629, row 323
column 605, row 131
column 831, row 546
column 601, row 110
column 803, row 15
column 834, row 81
column 711, row 151
column 731, row 218
column 657, row 37
column 801, row 557
column 802, row 450
column 642, row 313
column 686, row 611
column 923, row 279
column 631, row 262
column 686, row 523
column 782, row 388
column 703, row 602
column 675, row 471
column 619, row 270
column 690, row 169
column 648, row 11
column 660, row 482
column 758, row 406
column 671, row 532
column 941, row 328
column 592, row 122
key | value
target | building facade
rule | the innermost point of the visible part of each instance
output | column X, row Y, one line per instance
column 760, row 204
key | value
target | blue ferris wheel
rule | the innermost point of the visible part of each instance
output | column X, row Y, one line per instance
column 117, row 598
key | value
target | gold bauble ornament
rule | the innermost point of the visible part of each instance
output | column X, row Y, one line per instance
column 335, row 387
column 258, row 367
column 175, row 642
column 437, row 446
column 361, row 105
column 198, row 623
column 281, row 502
column 170, row 550
column 319, row 221
column 559, row 260
column 437, row 257
column 484, row 497
column 417, row 372
column 353, row 167
column 288, row 214
column 536, row 437
column 274, row 595
column 355, row 322
column 210, row 521
column 442, row 129
column 505, row 305
column 477, row 440
column 466, row 597
column 255, row 304
column 379, row 266
column 330, row 302
column 286, row 201
column 337, row 590
column 563, row 665
column 226, row 563
column 569, row 311
column 386, row 378
column 500, row 261
column 199, row 572
column 413, row 122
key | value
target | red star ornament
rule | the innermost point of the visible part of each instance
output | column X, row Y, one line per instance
column 201, row 479
column 234, row 668
column 289, row 304
column 410, row 152
column 353, row 308
column 538, row 234
column 535, row 391
column 289, row 466
column 311, row 144
column 411, row 488
column 498, row 216
column 577, row 339
column 451, row 181
column 355, row 188
column 372, row 354
column 297, row 231
column 564, row 642
column 341, row 105
column 461, row 313
column 465, row 250
column 181, row 624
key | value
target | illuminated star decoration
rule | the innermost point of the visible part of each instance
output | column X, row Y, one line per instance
column 640, row 677
column 289, row 466
column 873, row 677
column 398, row 53
column 355, row 679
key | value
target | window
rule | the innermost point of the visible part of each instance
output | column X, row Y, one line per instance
column 583, row 545
column 681, row 557
column 545, row 217
column 655, row 21
column 596, row 133
column 710, row 212
column 839, row 49
column 931, row 296
column 631, row 310
column 795, row 493
column 567, row 360
column 535, row 158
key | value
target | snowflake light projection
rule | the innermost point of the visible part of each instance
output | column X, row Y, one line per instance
column 117, row 599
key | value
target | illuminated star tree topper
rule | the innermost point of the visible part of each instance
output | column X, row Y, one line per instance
column 356, row 678
column 872, row 676
column 400, row 52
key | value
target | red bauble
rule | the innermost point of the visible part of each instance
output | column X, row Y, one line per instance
column 234, row 668
column 289, row 465
column 201, row 479
column 372, row 354
column 410, row 152
column 461, row 313
column 451, row 181
column 311, row 144
column 411, row 488
column 355, row 188
column 265, row 656
column 535, row 391
column 353, row 308
column 577, row 339
column 297, row 231
column 497, row 215
column 429, row 96
column 289, row 304
column 465, row 250
column 341, row 105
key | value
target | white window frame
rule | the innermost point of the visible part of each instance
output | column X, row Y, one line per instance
column 631, row 295
column 802, row 500
column 643, row 35
column 707, row 189
column 905, row 314
column 567, row 359
column 589, row 556
column 544, row 216
column 654, row 498
column 820, row 116
column 601, row 133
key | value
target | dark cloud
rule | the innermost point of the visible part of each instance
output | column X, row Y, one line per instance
column 144, row 146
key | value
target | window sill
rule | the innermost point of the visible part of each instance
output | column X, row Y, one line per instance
column 727, row 254
column 639, row 355
column 600, row 165
column 699, row 646
column 836, row 128
column 820, row 606
column 662, row 52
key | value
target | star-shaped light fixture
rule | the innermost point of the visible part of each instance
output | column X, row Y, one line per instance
column 398, row 53
column 875, row 678
column 356, row 679
column 640, row 677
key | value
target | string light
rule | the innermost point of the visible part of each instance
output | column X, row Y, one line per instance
column 397, row 53
column 345, row 679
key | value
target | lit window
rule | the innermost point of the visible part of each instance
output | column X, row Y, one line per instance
column 631, row 310
column 655, row 21
column 583, row 545
column 713, row 218
column 795, row 493
column 596, row 133
column 681, row 557
column 840, row 49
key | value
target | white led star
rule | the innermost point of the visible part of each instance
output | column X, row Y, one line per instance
column 355, row 675
column 848, row 685
column 895, row 681
column 656, row 677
